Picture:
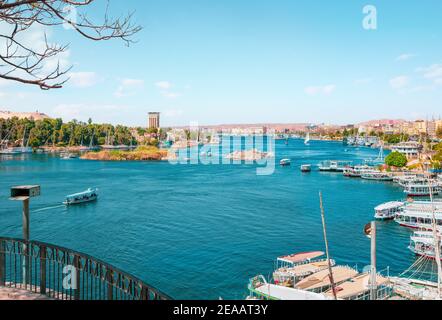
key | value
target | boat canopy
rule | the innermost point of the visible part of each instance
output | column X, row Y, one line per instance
column 80, row 194
column 307, row 268
column 322, row 279
column 389, row 205
column 356, row 286
column 300, row 257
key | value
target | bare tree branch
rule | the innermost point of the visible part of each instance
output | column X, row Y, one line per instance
column 28, row 62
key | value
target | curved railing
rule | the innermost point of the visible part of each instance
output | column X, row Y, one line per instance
column 64, row 274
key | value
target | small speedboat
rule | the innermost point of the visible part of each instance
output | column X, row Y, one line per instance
column 89, row 195
column 285, row 162
column 306, row 168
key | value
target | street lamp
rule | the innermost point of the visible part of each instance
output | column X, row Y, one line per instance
column 24, row 193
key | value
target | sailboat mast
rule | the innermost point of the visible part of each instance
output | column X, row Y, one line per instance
column 436, row 237
column 324, row 229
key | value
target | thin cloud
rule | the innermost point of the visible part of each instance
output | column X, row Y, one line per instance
column 399, row 82
column 320, row 90
column 83, row 79
column 128, row 87
column 165, row 85
column 405, row 57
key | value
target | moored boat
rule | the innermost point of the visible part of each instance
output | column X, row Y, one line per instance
column 306, row 168
column 422, row 244
column 422, row 189
column 89, row 195
column 285, row 162
column 376, row 176
column 419, row 215
column 388, row 211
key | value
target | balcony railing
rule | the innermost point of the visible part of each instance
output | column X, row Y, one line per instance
column 64, row 274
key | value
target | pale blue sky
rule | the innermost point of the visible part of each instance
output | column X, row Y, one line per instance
column 248, row 61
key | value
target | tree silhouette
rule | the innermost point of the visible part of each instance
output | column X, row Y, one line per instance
column 28, row 63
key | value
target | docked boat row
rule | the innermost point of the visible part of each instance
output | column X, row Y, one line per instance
column 306, row 276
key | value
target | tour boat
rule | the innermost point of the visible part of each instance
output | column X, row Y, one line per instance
column 356, row 171
column 422, row 244
column 285, row 162
column 421, row 189
column 376, row 175
column 387, row 211
column 89, row 195
column 334, row 165
column 290, row 275
column 419, row 214
column 306, row 168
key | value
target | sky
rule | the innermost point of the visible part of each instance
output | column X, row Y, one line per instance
column 249, row 61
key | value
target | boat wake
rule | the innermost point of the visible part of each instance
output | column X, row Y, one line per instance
column 49, row 208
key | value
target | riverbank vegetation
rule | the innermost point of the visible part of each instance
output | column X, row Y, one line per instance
column 55, row 133
column 143, row 153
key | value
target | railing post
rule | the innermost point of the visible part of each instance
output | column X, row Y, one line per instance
column 77, row 277
column 110, row 282
column 43, row 270
column 144, row 293
column 2, row 264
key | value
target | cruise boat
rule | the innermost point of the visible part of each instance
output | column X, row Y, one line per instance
column 306, row 168
column 334, row 165
column 89, row 195
column 376, row 175
column 285, row 162
column 419, row 214
column 422, row 244
column 387, row 211
column 422, row 189
column 356, row 171
column 260, row 289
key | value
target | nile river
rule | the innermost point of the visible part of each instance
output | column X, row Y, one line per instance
column 198, row 231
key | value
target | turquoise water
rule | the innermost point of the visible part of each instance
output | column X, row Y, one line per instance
column 200, row 232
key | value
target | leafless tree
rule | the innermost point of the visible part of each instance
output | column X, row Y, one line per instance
column 29, row 63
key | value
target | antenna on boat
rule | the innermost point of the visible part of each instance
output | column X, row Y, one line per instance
column 324, row 229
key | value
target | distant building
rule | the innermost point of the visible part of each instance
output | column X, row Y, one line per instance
column 154, row 120
column 410, row 149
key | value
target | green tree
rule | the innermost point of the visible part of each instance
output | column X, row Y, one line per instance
column 396, row 159
column 439, row 132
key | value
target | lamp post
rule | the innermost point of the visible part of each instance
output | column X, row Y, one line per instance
column 24, row 193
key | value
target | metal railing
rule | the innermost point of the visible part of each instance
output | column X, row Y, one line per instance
column 64, row 274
